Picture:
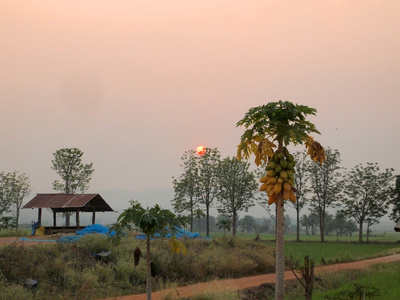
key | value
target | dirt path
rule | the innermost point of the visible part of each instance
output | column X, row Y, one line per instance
column 254, row 281
column 30, row 241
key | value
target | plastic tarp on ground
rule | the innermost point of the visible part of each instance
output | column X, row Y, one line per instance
column 95, row 228
column 180, row 233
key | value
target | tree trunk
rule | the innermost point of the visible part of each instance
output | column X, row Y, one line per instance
column 322, row 226
column 208, row 221
column 280, row 251
column 360, row 231
column 148, row 273
column 234, row 218
column 308, row 277
column 17, row 220
column 298, row 222
column 191, row 215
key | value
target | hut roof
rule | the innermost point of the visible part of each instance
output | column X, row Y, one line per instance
column 69, row 202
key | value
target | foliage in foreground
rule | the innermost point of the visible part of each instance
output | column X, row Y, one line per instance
column 376, row 282
column 71, row 271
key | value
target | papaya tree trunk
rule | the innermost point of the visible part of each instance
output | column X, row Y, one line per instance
column 280, row 251
column 297, row 222
column 148, row 272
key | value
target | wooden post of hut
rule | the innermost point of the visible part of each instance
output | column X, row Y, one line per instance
column 39, row 217
column 54, row 218
column 77, row 217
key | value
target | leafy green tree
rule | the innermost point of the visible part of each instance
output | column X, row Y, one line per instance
column 337, row 225
column 224, row 224
column 395, row 201
column 75, row 175
column 350, row 227
column 325, row 186
column 366, row 193
column 309, row 222
column 207, row 182
column 284, row 123
column 199, row 214
column 288, row 223
column 185, row 187
column 248, row 224
column 301, row 177
column 236, row 188
column 14, row 187
column 7, row 222
column 150, row 221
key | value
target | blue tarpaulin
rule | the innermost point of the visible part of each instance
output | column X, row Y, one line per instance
column 35, row 240
column 95, row 228
column 180, row 233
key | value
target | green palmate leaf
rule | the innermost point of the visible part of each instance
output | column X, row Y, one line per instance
column 283, row 122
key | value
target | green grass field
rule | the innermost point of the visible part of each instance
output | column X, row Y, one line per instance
column 376, row 282
column 382, row 237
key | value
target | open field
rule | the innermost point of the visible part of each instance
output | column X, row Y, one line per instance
column 379, row 237
column 71, row 270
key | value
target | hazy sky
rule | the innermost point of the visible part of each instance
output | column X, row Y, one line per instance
column 134, row 84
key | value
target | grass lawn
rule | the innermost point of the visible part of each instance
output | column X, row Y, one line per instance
column 381, row 280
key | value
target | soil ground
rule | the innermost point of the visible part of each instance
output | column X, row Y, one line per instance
column 253, row 281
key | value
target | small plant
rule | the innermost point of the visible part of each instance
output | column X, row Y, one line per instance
column 151, row 221
column 359, row 292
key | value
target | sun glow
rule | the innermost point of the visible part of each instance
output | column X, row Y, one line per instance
column 201, row 150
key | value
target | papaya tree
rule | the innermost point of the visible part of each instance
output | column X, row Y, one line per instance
column 269, row 129
column 151, row 221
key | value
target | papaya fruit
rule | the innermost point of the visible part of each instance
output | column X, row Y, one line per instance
column 283, row 163
column 292, row 196
column 263, row 187
column 287, row 186
column 271, row 199
column 277, row 188
column 286, row 195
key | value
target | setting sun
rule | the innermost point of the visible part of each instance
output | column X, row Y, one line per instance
column 201, row 150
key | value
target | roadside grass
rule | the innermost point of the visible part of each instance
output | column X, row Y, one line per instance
column 375, row 282
column 13, row 232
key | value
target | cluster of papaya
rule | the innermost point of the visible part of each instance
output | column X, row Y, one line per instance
column 279, row 178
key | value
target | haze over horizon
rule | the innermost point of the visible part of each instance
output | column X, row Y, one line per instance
column 135, row 84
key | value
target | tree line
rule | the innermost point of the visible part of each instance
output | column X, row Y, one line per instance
column 360, row 196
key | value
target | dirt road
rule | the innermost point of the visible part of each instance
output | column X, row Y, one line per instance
column 254, row 281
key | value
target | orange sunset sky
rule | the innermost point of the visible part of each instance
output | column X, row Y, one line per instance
column 134, row 84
